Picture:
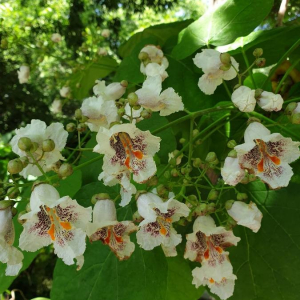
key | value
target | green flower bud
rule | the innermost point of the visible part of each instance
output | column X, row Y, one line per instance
column 201, row 209
column 258, row 93
column 241, row 196
column 13, row 193
column 195, row 132
column 83, row 119
column 232, row 154
column 78, row 114
column 252, row 177
column 290, row 108
column 48, row 145
column 192, row 199
column 122, row 100
column 213, row 195
column 15, row 166
column 25, row 144
column 225, row 67
column 167, row 174
column 182, row 222
column 100, row 196
column 153, row 181
column 81, row 127
column 34, row 147
column 65, row 170
column 70, row 127
column 211, row 157
column 225, row 58
column 245, row 180
column 162, row 191
column 132, row 99
column 136, row 217
column 21, row 221
column 25, row 161
column 295, row 119
column 121, row 111
column 230, row 223
column 197, row 162
column 258, row 52
column 143, row 56
column 146, row 114
column 113, row 124
column 4, row 204
column 172, row 161
column 136, row 107
column 182, row 141
column 231, row 144
column 124, row 83
column 211, row 207
column 229, row 204
column 260, row 62
column 174, row 173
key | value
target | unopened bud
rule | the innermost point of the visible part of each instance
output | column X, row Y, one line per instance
column 83, row 119
column 124, row 83
column 211, row 157
column 152, row 181
column 231, row 144
column 25, row 161
column 34, row 147
column 225, row 58
column 230, row 223
column 195, row 132
column 260, row 62
column 65, row 170
column 4, row 204
column 241, row 196
column 136, row 217
column 245, row 180
column 132, row 99
column 48, row 145
column 161, row 190
column 14, row 211
column 78, row 114
column 201, row 209
column 290, row 108
column 225, row 67
column 197, row 162
column 174, row 173
column 25, row 143
column 21, row 221
column 143, row 56
column 167, row 174
column 258, row 93
column 146, row 114
column 136, row 107
column 252, row 177
column 192, row 199
column 211, row 207
column 213, row 195
column 232, row 153
column 13, row 193
column 295, row 119
column 258, row 52
column 15, row 166
column 70, row 127
column 182, row 141
column 100, row 196
column 121, row 111
column 81, row 127
column 229, row 204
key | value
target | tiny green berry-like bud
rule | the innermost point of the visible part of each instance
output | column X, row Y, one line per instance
column 121, row 111
column 290, row 108
column 82, row 127
column 21, row 221
column 143, row 56
column 25, row 161
column 193, row 200
column 146, row 114
column 161, row 190
column 174, row 173
column 232, row 153
column 260, row 62
column 4, row 204
column 211, row 207
column 258, row 52
column 48, row 145
column 13, row 193
column 229, row 204
column 231, row 144
column 241, row 196
column 152, row 181
column 136, row 107
column 195, row 132
column 211, row 157
column 65, row 170
column 83, row 119
column 70, row 127
column 182, row 141
column 100, row 196
column 124, row 83
column 197, row 162
column 201, row 209
column 225, row 67
column 167, row 175
column 25, row 143
column 230, row 223
column 295, row 118
column 15, row 166
column 78, row 114
column 132, row 99
column 136, row 217
column 225, row 58
column 213, row 195
column 258, row 93
column 34, row 147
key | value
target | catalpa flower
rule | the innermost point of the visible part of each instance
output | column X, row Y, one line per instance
column 127, row 150
column 270, row 102
column 113, row 91
column 8, row 253
column 221, row 282
column 244, row 99
column 109, row 231
column 99, row 112
column 37, row 131
column 209, row 61
column 23, row 74
column 232, row 172
column 154, row 63
column 268, row 155
column 64, row 91
column 150, row 96
column 54, row 220
column 56, row 38
column 207, row 242
column 156, row 228
column 247, row 215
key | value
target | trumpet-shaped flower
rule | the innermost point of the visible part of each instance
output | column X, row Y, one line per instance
column 270, row 102
column 151, row 97
column 64, row 91
column 231, row 172
column 109, row 231
column 61, row 221
column 268, row 155
column 113, row 91
column 126, row 150
column 244, row 99
column 210, row 62
column 156, row 228
column 23, row 74
column 9, row 254
column 38, row 131
column 56, row 38
column 247, row 215
column 99, row 112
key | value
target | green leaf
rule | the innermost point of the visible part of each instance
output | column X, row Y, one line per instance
column 223, row 25
column 147, row 275
column 83, row 80
column 71, row 185
column 267, row 263
column 259, row 80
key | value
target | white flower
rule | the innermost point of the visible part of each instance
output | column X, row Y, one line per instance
column 61, row 221
column 99, row 112
column 232, row 172
column 270, row 102
column 56, row 37
column 207, row 242
column 64, row 91
column 244, row 99
column 221, row 285
column 150, row 96
column 102, row 51
column 105, row 33
column 268, row 155
column 297, row 109
column 38, row 131
column 107, row 229
column 56, row 106
column 247, row 215
column 126, row 150
column 9, row 254
column 23, row 74
column 113, row 91
column 156, row 63
column 156, row 228
column 209, row 61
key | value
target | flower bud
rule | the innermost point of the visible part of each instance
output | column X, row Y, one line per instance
column 225, row 67
column 25, row 161
column 295, row 118
column 230, row 223
column 83, row 119
column 182, row 141
column 161, row 190
column 211, row 207
column 197, row 162
column 15, row 166
column 228, row 204
column 152, row 181
column 225, row 59
column 245, row 180
column 124, row 83
column 232, row 154
column 211, row 157
column 258, row 93
column 78, row 114
column 213, row 195
column 143, row 56
column 13, row 193
column 34, row 147
column 4, row 204
column 65, row 170
column 25, row 143
column 121, row 111
column 258, row 52
column 241, row 196
column 81, row 127
column 132, row 99
column 136, row 217
column 195, row 132
column 174, row 173
column 231, row 144
column 192, row 199
column 70, row 127
column 290, row 108
column 100, row 196
column 252, row 177
column 146, row 114
column 167, row 174
column 136, row 107
column 21, row 221
column 260, row 62
column 48, row 145
column 201, row 209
